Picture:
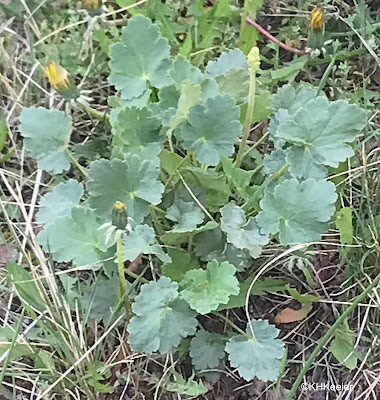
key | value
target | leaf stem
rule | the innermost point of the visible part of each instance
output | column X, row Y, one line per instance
column 325, row 76
column 123, row 282
column 156, row 221
column 170, row 141
column 175, row 172
column 190, row 243
column 323, row 342
column 135, row 276
column 100, row 116
column 261, row 188
column 261, row 140
column 248, row 119
column 76, row 163
column 229, row 322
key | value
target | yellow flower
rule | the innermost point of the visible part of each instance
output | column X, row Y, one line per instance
column 120, row 206
column 316, row 19
column 58, row 77
column 91, row 4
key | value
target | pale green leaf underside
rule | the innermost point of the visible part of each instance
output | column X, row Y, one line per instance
column 204, row 290
column 227, row 61
column 242, row 233
column 46, row 137
column 172, row 238
column 135, row 128
column 142, row 57
column 161, row 319
column 235, row 83
column 75, row 237
column 187, row 214
column 190, row 95
column 257, row 357
column 300, row 212
column 212, row 244
column 181, row 386
column 142, row 241
column 59, row 202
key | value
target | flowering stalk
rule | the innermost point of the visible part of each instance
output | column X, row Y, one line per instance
column 123, row 282
column 120, row 220
column 254, row 66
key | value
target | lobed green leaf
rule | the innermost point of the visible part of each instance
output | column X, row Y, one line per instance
column 212, row 130
column 131, row 181
column 46, row 136
column 299, row 211
column 141, row 58
column 161, row 319
column 204, row 290
column 259, row 354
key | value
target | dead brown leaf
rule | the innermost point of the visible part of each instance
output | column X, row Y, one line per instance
column 289, row 315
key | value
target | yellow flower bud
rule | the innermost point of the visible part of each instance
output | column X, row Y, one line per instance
column 58, row 77
column 316, row 19
column 254, row 59
column 120, row 206
column 91, row 4
column 120, row 215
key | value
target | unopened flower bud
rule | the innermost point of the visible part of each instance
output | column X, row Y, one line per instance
column 91, row 4
column 61, row 80
column 317, row 19
column 120, row 215
column 254, row 59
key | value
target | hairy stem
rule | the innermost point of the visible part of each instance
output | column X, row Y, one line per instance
column 123, row 282
column 248, row 119
column 323, row 342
